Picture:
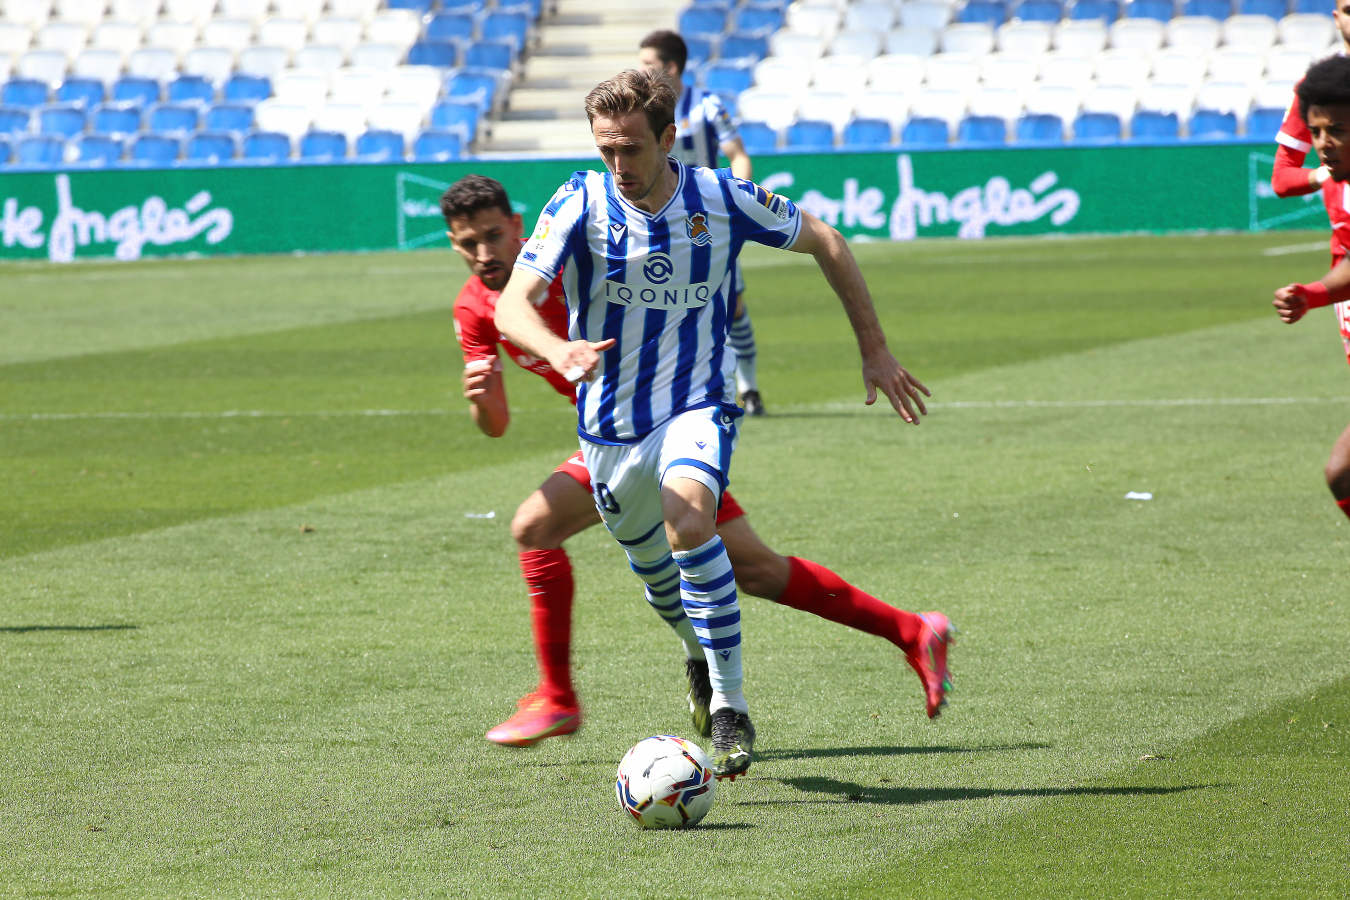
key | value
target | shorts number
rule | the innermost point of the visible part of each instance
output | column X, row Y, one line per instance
column 604, row 499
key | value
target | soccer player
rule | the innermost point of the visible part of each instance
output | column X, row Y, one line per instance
column 1323, row 103
column 703, row 128
column 1290, row 179
column 649, row 248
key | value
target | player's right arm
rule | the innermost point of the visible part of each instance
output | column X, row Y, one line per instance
column 482, row 377
column 1290, row 179
column 519, row 320
column 1293, row 300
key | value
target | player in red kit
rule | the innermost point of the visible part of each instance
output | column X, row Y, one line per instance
column 487, row 235
column 1323, row 103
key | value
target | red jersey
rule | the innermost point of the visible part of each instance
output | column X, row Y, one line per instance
column 479, row 337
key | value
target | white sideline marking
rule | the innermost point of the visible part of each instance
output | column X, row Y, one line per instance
column 1287, row 249
column 954, row 404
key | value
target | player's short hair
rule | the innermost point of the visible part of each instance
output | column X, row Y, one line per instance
column 1326, row 83
column 636, row 90
column 474, row 193
column 669, row 47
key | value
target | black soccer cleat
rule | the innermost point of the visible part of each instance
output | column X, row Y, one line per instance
column 733, row 742
column 700, row 695
column 752, row 404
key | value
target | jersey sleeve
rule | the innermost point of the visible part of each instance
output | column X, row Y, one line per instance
column 1294, row 132
column 762, row 216
column 1289, row 178
column 721, row 121
column 546, row 250
column 477, row 333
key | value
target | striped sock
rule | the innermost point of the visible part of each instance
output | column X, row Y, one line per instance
column 708, row 589
column 650, row 560
column 742, row 340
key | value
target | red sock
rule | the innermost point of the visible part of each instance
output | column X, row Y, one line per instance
column 549, row 576
column 815, row 589
column 1344, row 505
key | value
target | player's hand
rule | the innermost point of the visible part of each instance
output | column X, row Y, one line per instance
column 576, row 360
column 1319, row 175
column 882, row 371
column 476, row 374
column 1290, row 303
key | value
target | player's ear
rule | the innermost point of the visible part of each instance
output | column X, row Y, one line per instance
column 517, row 226
column 668, row 137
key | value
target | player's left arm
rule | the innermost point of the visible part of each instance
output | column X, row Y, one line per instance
column 517, row 317
column 1293, row 300
column 738, row 157
column 881, row 370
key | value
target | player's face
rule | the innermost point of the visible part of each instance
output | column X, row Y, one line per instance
column 1342, row 16
column 633, row 154
column 648, row 59
column 1330, row 128
column 488, row 240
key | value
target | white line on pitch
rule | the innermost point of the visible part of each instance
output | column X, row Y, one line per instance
column 1287, row 249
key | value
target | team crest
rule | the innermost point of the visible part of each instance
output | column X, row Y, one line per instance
column 696, row 226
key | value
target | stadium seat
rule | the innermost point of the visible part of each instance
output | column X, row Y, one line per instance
column 489, row 55
column 451, row 27
column 461, row 118
column 1213, row 9
column 434, row 53
column 758, row 137
column 1158, row 10
column 1106, row 11
column 971, row 38
column 246, row 89
column 6, row 151
column 809, row 135
column 932, row 14
column 132, row 89
column 982, row 131
column 266, row 146
column 1141, row 36
column 987, row 12
column 700, row 21
column 283, row 34
column 98, row 149
column 1097, row 128
column 155, row 149
column 1264, row 122
column 14, row 120
column 41, row 150
column 28, row 93
column 1038, row 11
column 347, row 119
column 437, row 146
column 1275, row 9
column 868, row 134
column 116, row 119
column 472, row 87
column 727, row 78
column 236, row 118
column 1040, row 128
column 421, row 7
column 323, row 146
column 210, row 146
column 43, row 65
column 86, row 92
column 61, row 120
column 757, row 21
column 925, row 131
column 1028, row 40
column 511, row 27
column 191, row 89
column 1210, row 124
column 464, row 7
column 100, row 64
column 1179, row 67
column 1309, row 6
column 700, row 50
column 380, row 146
column 215, row 64
column 1118, row 100
column 263, row 62
column 1305, row 31
column 744, row 48
column 1153, row 125
column 173, row 119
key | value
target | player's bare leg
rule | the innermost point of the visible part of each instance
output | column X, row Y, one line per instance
column 1338, row 471
column 808, row 586
column 558, row 509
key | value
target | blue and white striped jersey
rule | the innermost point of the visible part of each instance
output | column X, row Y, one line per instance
column 660, row 284
column 702, row 125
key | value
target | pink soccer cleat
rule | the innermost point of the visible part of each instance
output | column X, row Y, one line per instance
column 536, row 718
column 929, row 659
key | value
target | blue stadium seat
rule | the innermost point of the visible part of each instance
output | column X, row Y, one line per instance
column 434, row 53
column 1264, row 122
column 703, row 21
column 1040, row 128
column 240, row 88
column 323, row 146
column 1152, row 125
column 466, row 7
column 1161, row 10
column 1214, row 9
column 809, row 135
column 155, row 149
column 380, row 146
column 532, row 8
column 1276, row 9
column 868, row 134
column 211, row 146
column 1097, row 128
column 1210, row 124
column 267, row 146
column 191, row 89
column 982, row 131
column 758, row 137
column 42, row 150
column 728, row 78
column 757, row 21
column 118, row 119
column 489, row 55
column 437, row 146
column 234, row 117
column 6, row 152
column 507, row 26
column 744, row 47
column 173, row 119
column 1105, row 10
column 14, row 120
column 472, row 87
column 446, row 26
column 461, row 118
column 98, row 149
column 61, row 120
column 1309, row 6
column 132, row 89
column 1038, row 11
column 87, row 92
column 28, row 93
column 700, row 50
column 923, row 131
column 990, row 12
column 421, row 7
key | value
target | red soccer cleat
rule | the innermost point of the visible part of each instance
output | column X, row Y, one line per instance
column 929, row 659
column 537, row 717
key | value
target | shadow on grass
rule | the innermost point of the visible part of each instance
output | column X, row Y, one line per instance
column 24, row 629
column 847, row 792
column 821, row 752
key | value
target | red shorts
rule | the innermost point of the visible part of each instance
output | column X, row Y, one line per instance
column 573, row 467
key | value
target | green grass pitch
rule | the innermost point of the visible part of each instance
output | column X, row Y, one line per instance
column 258, row 598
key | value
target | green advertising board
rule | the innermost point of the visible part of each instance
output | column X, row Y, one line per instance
column 135, row 213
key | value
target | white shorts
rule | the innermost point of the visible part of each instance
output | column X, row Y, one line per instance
column 626, row 480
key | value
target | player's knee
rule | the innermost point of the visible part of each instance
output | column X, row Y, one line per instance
column 533, row 529
column 1337, row 472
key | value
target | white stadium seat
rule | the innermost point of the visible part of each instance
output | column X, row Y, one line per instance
column 300, row 87
column 212, row 63
column 6, row 67
column 28, row 12
column 925, row 14
column 857, row 42
column 1179, row 67
column 101, row 63
column 195, row 12
column 376, row 56
column 86, row 12
column 1236, row 64
column 342, row 32
column 121, row 36
column 152, row 62
column 814, row 18
column 43, row 65
column 278, row 32
column 795, row 45
column 895, row 72
column 826, row 106
column 319, row 58
column 178, row 37
column 1080, row 38
column 290, row 119
column 394, row 26
column 1001, row 102
column 892, row 106
column 235, row 34
column 405, row 118
column 67, row 37
column 777, row 109
column 955, row 71
column 15, row 38
column 252, row 10
column 1137, row 34
column 142, row 12
column 912, row 41
column 1067, row 71
column 1025, row 38
column 839, row 74
column 361, row 10
column 1112, row 98
column 1193, row 33
column 1003, row 70
column 348, row 119
column 1225, row 96
column 976, row 39
column 1055, row 100
column 364, row 87
column 1276, row 94
column 1287, row 64
column 1312, row 30
column 777, row 73
column 948, row 104
column 308, row 10
column 1248, row 32
column 867, row 15
column 267, row 60
column 1121, row 66
column 1173, row 98
column 414, row 84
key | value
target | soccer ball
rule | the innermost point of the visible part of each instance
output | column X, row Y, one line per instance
column 665, row 782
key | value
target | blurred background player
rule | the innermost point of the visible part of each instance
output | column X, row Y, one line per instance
column 1322, row 105
column 487, row 235
column 703, row 128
